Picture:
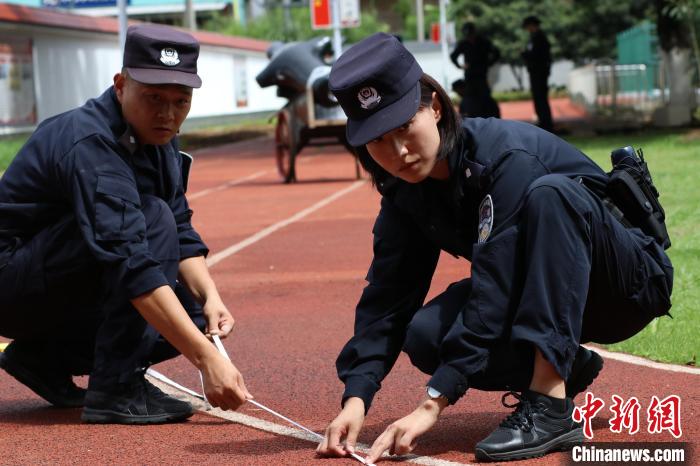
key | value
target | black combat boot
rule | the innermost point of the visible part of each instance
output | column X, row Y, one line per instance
column 534, row 429
column 136, row 402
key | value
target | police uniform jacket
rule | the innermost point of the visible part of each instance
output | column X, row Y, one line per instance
column 478, row 55
column 537, row 56
column 498, row 158
column 86, row 163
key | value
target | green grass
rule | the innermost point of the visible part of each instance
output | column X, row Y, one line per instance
column 8, row 149
column 515, row 95
column 197, row 138
column 674, row 161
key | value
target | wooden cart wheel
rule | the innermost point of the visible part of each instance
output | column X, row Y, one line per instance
column 285, row 147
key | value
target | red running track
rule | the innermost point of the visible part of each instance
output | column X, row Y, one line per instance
column 293, row 294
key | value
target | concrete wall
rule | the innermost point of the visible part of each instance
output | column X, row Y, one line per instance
column 71, row 68
column 583, row 85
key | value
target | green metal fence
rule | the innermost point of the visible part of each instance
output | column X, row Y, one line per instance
column 639, row 46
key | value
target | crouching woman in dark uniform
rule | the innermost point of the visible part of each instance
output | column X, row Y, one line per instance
column 551, row 267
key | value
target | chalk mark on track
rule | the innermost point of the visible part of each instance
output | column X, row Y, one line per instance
column 274, row 428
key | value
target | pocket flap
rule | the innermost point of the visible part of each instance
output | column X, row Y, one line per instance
column 118, row 187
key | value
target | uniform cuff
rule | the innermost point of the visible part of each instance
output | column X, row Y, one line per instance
column 450, row 382
column 145, row 281
column 361, row 387
column 193, row 250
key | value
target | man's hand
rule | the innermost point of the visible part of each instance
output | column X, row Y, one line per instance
column 223, row 384
column 401, row 437
column 348, row 425
column 219, row 319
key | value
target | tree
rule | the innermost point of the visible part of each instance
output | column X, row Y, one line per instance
column 578, row 30
column 588, row 29
column 406, row 9
column 680, row 10
column 273, row 26
column 675, row 37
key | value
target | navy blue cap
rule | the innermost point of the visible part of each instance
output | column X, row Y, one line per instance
column 156, row 54
column 376, row 84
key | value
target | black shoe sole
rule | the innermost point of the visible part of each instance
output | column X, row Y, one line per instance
column 562, row 443
column 105, row 416
column 38, row 386
column 586, row 375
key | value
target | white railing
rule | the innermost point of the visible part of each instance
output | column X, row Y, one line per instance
column 626, row 86
column 617, row 92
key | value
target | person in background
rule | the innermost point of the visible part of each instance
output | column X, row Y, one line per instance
column 538, row 62
column 478, row 55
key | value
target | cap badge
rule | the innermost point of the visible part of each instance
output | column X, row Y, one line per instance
column 168, row 56
column 368, row 97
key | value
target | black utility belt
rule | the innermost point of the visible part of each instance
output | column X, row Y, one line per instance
column 630, row 195
column 637, row 205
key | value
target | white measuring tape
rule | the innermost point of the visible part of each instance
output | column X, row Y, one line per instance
column 217, row 342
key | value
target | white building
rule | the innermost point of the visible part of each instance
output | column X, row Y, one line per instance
column 51, row 62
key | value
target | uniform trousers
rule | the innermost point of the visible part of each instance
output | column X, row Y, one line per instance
column 57, row 300
column 540, row 98
column 477, row 100
column 567, row 272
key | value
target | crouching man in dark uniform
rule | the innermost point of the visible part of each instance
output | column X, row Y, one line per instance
column 99, row 263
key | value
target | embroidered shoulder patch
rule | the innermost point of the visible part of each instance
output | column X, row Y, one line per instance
column 485, row 218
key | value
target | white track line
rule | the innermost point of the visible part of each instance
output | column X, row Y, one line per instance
column 237, row 181
column 638, row 361
column 266, row 426
column 226, row 185
column 233, row 249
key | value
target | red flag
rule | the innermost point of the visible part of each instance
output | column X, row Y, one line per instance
column 435, row 32
column 320, row 14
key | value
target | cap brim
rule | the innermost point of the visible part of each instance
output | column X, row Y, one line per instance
column 158, row 76
column 360, row 132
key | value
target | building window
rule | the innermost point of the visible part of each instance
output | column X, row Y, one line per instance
column 16, row 82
